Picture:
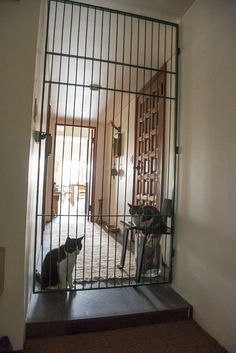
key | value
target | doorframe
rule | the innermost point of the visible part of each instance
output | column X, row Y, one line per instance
column 94, row 129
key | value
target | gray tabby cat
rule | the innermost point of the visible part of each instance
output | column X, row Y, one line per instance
column 145, row 217
column 58, row 265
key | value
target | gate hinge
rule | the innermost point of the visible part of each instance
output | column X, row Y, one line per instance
column 40, row 135
column 173, row 253
column 178, row 51
column 177, row 149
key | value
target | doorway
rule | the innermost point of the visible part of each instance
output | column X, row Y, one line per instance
column 73, row 169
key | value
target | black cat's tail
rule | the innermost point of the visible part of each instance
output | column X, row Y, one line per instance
column 38, row 277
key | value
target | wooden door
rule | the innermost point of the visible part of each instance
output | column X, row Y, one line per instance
column 149, row 142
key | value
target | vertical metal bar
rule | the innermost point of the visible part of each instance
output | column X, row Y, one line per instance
column 63, row 22
column 68, row 75
column 57, row 112
column 73, row 127
column 156, row 122
column 108, row 70
column 163, row 99
column 175, row 145
column 46, row 161
column 40, row 143
column 169, row 134
column 94, row 177
column 90, row 163
column 127, row 141
column 127, row 144
column 136, row 119
column 97, row 130
column 149, row 143
column 120, row 126
column 89, row 127
column 112, row 133
column 144, row 107
column 81, row 129
column 165, row 111
column 170, row 117
column 75, row 99
column 71, row 145
column 157, row 103
column 104, row 145
column 64, row 132
column 54, row 145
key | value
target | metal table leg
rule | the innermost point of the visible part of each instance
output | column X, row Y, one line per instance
column 124, row 247
column 139, row 260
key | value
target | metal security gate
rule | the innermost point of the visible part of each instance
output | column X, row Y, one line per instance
column 106, row 144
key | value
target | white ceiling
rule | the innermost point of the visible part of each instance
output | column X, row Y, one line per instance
column 68, row 101
column 171, row 10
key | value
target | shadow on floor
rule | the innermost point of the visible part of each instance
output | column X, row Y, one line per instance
column 103, row 309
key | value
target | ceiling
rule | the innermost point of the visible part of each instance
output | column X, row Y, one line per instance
column 171, row 10
column 150, row 46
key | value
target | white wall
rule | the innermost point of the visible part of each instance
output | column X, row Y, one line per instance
column 205, row 268
column 34, row 150
column 18, row 37
column 118, row 191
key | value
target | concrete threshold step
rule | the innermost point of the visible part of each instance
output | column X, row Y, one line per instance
column 56, row 314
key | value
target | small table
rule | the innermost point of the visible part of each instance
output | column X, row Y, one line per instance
column 143, row 237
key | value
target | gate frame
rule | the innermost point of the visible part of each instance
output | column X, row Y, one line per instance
column 42, row 134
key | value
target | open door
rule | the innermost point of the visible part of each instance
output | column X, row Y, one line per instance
column 73, row 170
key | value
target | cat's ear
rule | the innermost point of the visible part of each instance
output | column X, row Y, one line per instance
column 81, row 238
column 130, row 205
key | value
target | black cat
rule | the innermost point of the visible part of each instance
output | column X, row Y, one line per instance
column 59, row 263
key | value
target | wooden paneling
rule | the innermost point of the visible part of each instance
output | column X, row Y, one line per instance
column 150, row 117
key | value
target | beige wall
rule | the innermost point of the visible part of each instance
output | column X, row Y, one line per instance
column 18, row 37
column 205, row 266
column 33, row 160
